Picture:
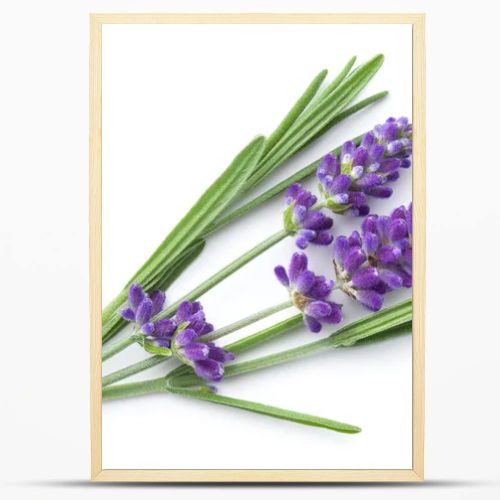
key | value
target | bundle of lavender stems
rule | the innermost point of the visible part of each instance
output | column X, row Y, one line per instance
column 366, row 265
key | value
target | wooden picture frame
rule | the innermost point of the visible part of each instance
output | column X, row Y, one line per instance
column 416, row 473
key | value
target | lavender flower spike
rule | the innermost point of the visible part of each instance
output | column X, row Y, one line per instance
column 388, row 242
column 310, row 225
column 206, row 359
column 309, row 293
column 347, row 180
column 142, row 307
column 379, row 260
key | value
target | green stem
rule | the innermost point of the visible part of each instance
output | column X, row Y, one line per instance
column 226, row 271
column 119, row 346
column 242, row 323
column 237, row 347
column 134, row 389
column 391, row 320
column 264, row 335
column 270, row 411
column 138, row 367
column 160, row 385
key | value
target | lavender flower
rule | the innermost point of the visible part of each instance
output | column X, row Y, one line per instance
column 388, row 244
column 309, row 293
column 378, row 261
column 206, row 359
column 300, row 217
column 142, row 307
column 348, row 179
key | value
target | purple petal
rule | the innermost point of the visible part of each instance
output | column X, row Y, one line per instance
column 360, row 156
column 370, row 299
column 354, row 258
column 323, row 238
column 377, row 152
column 164, row 327
column 185, row 337
column 280, row 273
column 135, row 295
column 184, row 311
column 196, row 351
column 158, row 299
column 301, row 242
column 293, row 191
column 299, row 214
column 409, row 215
column 207, row 328
column 389, row 165
column 340, row 184
column 304, row 281
column 366, row 277
column 329, row 165
column 209, row 369
column 318, row 309
column 382, row 223
column 196, row 306
column 389, row 254
column 357, row 171
column 128, row 314
column 397, row 229
column 354, row 239
column 335, row 315
column 391, row 279
column 368, row 140
column 148, row 328
column 298, row 263
column 380, row 192
column 348, row 148
column 313, row 324
column 369, row 180
column 369, row 224
column 317, row 220
column 220, row 354
column 321, row 288
column 370, row 242
column 144, row 312
column 340, row 249
column 357, row 198
column 160, row 342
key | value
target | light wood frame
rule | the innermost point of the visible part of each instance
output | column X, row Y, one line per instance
column 416, row 473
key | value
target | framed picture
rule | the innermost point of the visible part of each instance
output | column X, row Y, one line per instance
column 257, row 247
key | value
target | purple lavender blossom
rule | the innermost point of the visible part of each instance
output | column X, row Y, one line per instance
column 300, row 217
column 142, row 307
column 206, row 359
column 388, row 243
column 377, row 261
column 348, row 179
column 309, row 293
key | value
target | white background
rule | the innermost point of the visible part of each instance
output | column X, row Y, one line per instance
column 45, row 424
column 175, row 112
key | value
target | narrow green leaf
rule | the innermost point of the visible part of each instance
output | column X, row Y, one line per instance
column 309, row 125
column 271, row 411
column 296, row 110
column 336, row 81
column 209, row 206
column 298, row 176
